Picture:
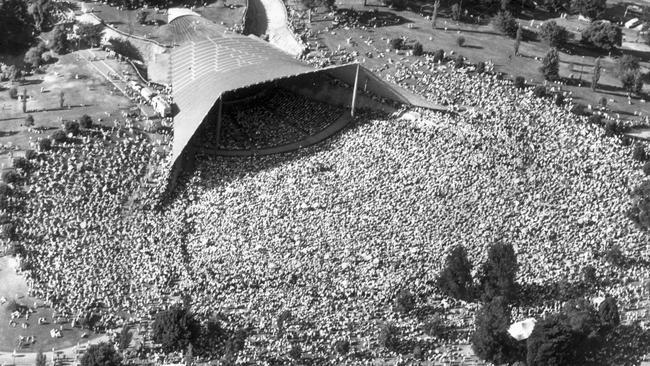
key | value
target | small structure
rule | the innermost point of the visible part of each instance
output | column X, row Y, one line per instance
column 161, row 106
column 521, row 330
column 632, row 23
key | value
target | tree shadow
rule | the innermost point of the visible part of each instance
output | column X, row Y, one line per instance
column 625, row 345
column 534, row 294
column 473, row 47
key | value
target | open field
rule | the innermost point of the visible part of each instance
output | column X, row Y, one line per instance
column 484, row 44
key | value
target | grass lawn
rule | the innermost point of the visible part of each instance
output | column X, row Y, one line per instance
column 13, row 287
column 482, row 43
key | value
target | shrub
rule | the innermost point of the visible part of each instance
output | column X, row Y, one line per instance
column 455, row 11
column 455, row 279
column 539, row 91
column 417, row 49
column 602, row 35
column 47, row 58
column 611, row 128
column 480, row 67
column 439, row 56
column 551, row 65
column 396, row 43
column 639, row 213
column 342, row 346
column 608, row 312
column 389, row 336
column 10, row 176
column 29, row 121
column 13, row 93
column 596, row 119
column 638, row 153
column 30, row 154
column 520, row 82
column 589, row 275
column 33, row 55
column 21, row 163
column 459, row 61
column 627, row 81
column 295, row 352
column 460, row 41
column 44, row 144
column 404, row 302
column 101, row 354
column 435, row 327
column 59, row 136
column 553, row 34
column 559, row 99
column 175, row 329
column 505, row 23
column 71, row 127
column 85, row 121
column 646, row 168
column 614, row 255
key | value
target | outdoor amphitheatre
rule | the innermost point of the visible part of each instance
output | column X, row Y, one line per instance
column 269, row 182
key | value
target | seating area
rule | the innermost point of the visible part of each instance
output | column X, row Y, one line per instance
column 278, row 119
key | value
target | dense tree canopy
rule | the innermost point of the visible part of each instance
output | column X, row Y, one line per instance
column 491, row 341
column 550, row 343
column 16, row 26
column 175, row 329
column 593, row 9
column 499, row 272
column 602, row 35
column 90, row 34
column 101, row 354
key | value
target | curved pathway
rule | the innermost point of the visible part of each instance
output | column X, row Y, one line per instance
column 270, row 17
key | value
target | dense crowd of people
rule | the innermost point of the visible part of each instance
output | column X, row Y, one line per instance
column 277, row 119
column 332, row 232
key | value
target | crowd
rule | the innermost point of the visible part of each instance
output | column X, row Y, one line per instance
column 332, row 232
column 281, row 118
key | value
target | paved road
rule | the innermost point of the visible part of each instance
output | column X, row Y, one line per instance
column 270, row 17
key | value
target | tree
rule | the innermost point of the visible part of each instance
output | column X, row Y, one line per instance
column 85, row 121
column 44, row 144
column 627, row 81
column 455, row 11
column 438, row 56
column 550, row 343
column 460, row 41
column 101, row 354
column 505, row 23
column 627, row 63
column 71, row 127
column 518, row 40
column 491, row 341
column 596, row 74
column 602, row 35
column 59, row 42
column 90, row 34
column 389, row 336
column 175, row 329
column 638, row 83
column 41, row 360
column 417, row 49
column 125, row 48
column 29, row 121
column 16, row 26
column 61, row 99
column 498, row 273
column 142, row 17
column 589, row 8
column 608, row 312
column 41, row 10
column 434, row 16
column 639, row 213
column 124, row 338
column 520, row 82
column 59, row 136
column 557, row 5
column 455, row 279
column 396, row 43
column 34, row 54
column 553, row 34
column 551, row 65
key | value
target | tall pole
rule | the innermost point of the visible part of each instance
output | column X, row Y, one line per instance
column 219, row 109
column 354, row 91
